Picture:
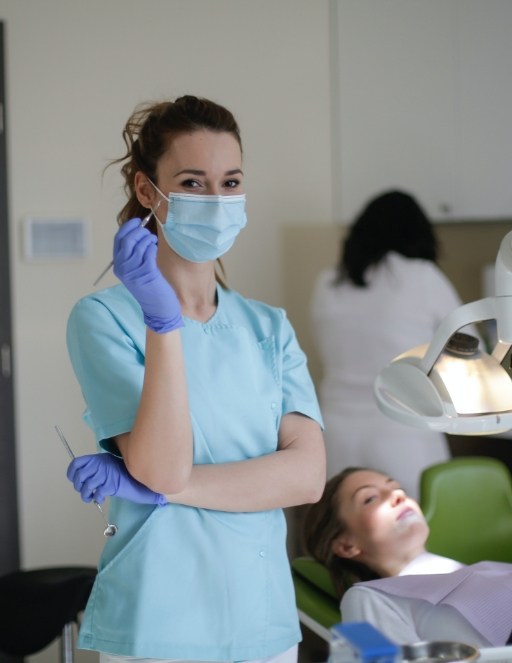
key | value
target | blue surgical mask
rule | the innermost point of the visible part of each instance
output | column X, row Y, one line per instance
column 202, row 228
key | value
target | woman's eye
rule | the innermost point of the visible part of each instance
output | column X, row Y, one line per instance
column 369, row 499
column 232, row 184
column 191, row 184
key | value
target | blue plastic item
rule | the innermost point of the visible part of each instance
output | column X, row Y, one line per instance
column 359, row 642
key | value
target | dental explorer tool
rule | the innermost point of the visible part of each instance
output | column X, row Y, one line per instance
column 110, row 528
column 143, row 223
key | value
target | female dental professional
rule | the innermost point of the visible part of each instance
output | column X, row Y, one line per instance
column 202, row 404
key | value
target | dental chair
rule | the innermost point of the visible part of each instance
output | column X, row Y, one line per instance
column 40, row 605
column 317, row 603
column 467, row 502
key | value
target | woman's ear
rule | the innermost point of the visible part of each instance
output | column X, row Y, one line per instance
column 345, row 548
column 144, row 191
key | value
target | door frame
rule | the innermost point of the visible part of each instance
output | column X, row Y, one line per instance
column 9, row 531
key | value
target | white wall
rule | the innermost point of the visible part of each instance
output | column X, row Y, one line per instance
column 75, row 71
column 424, row 104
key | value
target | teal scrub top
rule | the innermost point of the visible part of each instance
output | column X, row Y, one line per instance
column 181, row 582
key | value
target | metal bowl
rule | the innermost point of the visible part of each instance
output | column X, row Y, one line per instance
column 438, row 652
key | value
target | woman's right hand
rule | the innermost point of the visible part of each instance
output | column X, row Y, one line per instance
column 135, row 266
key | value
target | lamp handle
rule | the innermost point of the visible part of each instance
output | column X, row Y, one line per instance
column 482, row 309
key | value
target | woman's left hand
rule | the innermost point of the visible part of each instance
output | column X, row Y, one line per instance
column 101, row 475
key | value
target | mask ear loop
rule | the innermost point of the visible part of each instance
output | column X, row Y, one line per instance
column 147, row 218
column 153, row 209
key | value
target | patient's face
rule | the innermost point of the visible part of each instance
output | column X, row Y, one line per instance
column 383, row 524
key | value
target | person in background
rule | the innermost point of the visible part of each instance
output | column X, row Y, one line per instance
column 203, row 408
column 386, row 295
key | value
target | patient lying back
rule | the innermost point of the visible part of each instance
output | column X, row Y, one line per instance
column 366, row 530
column 365, row 527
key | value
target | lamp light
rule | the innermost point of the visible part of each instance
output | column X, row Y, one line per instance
column 451, row 385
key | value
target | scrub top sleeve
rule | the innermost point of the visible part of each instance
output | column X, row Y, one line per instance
column 299, row 393
column 109, row 368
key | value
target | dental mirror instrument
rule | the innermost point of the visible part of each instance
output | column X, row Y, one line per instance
column 110, row 528
column 143, row 224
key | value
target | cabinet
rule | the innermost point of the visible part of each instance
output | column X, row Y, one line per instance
column 422, row 101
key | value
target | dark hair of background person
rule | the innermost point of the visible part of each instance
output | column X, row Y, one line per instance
column 148, row 134
column 323, row 525
column 393, row 221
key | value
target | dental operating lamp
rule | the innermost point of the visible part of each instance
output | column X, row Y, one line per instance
column 451, row 385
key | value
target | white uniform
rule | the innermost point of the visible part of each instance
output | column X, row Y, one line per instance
column 358, row 332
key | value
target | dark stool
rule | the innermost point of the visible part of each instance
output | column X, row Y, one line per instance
column 39, row 605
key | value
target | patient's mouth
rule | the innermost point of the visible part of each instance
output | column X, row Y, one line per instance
column 407, row 513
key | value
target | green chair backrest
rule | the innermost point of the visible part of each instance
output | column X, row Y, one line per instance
column 467, row 502
column 314, row 591
column 315, row 573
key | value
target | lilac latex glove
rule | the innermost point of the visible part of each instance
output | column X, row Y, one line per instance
column 135, row 266
column 101, row 475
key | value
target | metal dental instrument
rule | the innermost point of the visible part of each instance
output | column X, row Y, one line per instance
column 110, row 528
column 143, row 223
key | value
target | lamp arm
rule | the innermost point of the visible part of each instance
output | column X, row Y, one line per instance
column 503, row 268
column 482, row 309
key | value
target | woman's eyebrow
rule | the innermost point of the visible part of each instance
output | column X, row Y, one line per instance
column 202, row 173
column 189, row 171
column 368, row 485
column 372, row 485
